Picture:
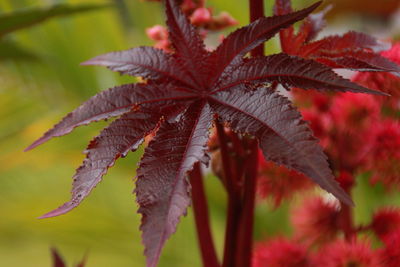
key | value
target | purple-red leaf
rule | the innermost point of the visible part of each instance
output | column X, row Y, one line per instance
column 358, row 60
column 189, row 46
column 113, row 102
column 291, row 71
column 283, row 136
column 121, row 136
column 238, row 43
column 350, row 40
column 57, row 259
column 313, row 25
column 147, row 62
column 162, row 188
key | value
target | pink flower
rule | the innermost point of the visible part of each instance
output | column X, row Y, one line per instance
column 316, row 221
column 280, row 253
column 278, row 182
column 386, row 221
column 221, row 21
column 157, row 33
column 200, row 16
column 346, row 254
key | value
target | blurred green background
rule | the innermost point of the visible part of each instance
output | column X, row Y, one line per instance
column 40, row 81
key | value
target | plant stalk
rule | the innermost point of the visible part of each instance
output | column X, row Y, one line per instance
column 201, row 216
column 234, row 205
column 245, row 234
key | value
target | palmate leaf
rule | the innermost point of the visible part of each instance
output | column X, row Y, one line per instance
column 291, row 71
column 283, row 137
column 182, row 93
column 161, row 188
column 111, row 103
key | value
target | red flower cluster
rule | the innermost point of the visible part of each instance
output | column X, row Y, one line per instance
column 316, row 221
column 278, row 182
column 360, row 133
column 386, row 82
column 281, row 253
column 199, row 15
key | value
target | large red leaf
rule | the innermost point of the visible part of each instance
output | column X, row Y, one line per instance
column 283, row 136
column 238, row 43
column 113, row 102
column 189, row 46
column 121, row 136
column 162, row 189
column 147, row 62
column 291, row 71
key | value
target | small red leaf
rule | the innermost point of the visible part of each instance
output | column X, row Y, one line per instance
column 161, row 188
column 283, row 137
column 312, row 25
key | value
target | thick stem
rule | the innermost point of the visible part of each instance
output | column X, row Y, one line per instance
column 245, row 236
column 234, row 205
column 346, row 222
column 202, row 220
column 256, row 12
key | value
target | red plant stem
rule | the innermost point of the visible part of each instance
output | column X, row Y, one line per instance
column 202, row 220
column 246, row 219
column 234, row 205
column 245, row 235
column 346, row 222
column 256, row 12
column 230, row 180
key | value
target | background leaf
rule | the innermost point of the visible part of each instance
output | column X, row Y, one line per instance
column 20, row 19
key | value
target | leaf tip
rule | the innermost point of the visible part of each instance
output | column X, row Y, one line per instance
column 35, row 144
column 59, row 211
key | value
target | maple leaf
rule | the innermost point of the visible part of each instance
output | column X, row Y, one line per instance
column 353, row 50
column 184, row 92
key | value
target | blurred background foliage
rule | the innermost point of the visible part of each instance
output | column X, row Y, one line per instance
column 40, row 81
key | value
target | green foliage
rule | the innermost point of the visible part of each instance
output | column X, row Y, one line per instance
column 20, row 19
